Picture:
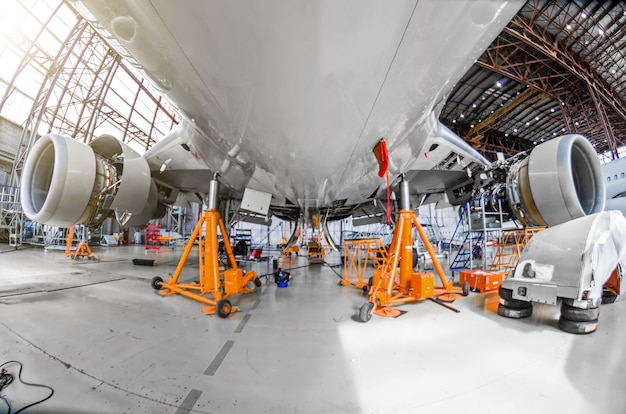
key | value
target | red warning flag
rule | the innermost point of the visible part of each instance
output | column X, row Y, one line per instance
column 382, row 156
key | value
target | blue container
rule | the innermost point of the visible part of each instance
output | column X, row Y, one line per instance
column 282, row 284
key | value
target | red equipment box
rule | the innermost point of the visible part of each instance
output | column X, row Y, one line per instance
column 482, row 280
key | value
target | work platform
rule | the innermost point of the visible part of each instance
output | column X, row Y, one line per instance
column 107, row 342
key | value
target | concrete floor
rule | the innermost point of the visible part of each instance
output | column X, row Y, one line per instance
column 106, row 342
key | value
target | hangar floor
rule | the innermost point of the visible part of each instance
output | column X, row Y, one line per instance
column 106, row 342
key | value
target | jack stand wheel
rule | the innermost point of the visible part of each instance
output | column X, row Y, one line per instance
column 365, row 289
column 365, row 313
column 156, row 283
column 466, row 288
column 257, row 282
column 223, row 308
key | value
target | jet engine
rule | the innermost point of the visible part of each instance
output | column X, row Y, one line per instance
column 559, row 181
column 65, row 182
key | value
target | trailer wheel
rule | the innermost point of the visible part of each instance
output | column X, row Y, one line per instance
column 257, row 282
column 223, row 308
column 608, row 297
column 466, row 288
column 577, row 327
column 579, row 315
column 505, row 293
column 515, row 304
column 365, row 313
column 156, row 283
column 515, row 313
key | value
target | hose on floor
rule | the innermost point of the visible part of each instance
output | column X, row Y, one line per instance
column 6, row 379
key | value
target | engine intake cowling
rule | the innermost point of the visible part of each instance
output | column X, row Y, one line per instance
column 65, row 182
column 559, row 181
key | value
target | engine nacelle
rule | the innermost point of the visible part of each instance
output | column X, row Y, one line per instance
column 65, row 182
column 559, row 181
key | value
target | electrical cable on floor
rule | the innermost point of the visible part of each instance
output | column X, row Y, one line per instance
column 325, row 263
column 6, row 379
column 340, row 276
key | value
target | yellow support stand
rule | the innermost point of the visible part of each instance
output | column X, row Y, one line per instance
column 392, row 286
column 82, row 248
column 220, row 285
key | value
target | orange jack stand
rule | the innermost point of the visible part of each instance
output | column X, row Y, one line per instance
column 390, row 286
column 220, row 285
column 82, row 248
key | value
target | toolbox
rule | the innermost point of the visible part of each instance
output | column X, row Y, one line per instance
column 482, row 280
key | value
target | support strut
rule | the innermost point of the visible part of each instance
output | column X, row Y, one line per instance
column 392, row 286
column 219, row 285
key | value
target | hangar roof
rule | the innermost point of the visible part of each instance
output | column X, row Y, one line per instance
column 557, row 68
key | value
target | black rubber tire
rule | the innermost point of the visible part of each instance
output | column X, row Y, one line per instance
column 365, row 289
column 365, row 313
column 577, row 327
column 506, row 294
column 466, row 288
column 514, row 313
column 515, row 304
column 370, row 281
column 257, row 282
column 579, row 315
column 156, row 283
column 223, row 308
column 608, row 298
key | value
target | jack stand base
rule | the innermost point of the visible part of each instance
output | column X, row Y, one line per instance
column 387, row 311
column 449, row 297
column 211, row 310
column 83, row 250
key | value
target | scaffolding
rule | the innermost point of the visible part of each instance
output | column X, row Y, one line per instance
column 510, row 247
column 48, row 237
column 11, row 215
column 477, row 230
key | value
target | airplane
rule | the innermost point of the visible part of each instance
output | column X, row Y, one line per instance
column 287, row 100
column 615, row 176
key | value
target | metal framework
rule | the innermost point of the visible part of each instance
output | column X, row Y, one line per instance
column 570, row 51
column 76, row 85
column 11, row 214
column 85, row 89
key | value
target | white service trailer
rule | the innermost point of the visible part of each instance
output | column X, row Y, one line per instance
column 570, row 263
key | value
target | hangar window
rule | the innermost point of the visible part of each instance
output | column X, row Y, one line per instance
column 86, row 91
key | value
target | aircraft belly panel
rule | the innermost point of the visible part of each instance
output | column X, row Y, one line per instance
column 304, row 90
